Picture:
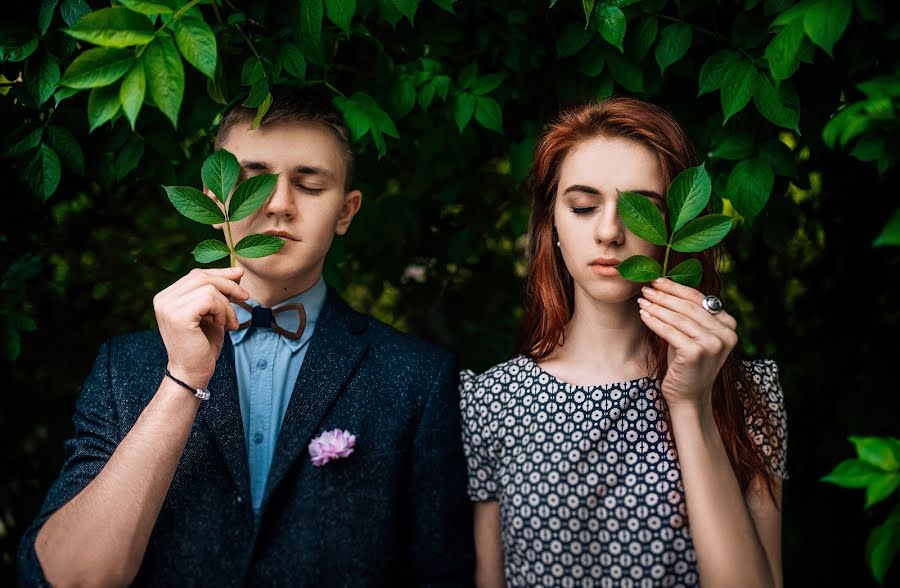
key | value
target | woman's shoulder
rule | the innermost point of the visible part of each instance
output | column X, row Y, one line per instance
column 763, row 376
column 498, row 374
column 766, row 419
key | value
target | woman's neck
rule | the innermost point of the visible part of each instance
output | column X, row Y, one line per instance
column 604, row 342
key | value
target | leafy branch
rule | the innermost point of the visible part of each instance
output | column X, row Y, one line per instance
column 220, row 173
column 688, row 196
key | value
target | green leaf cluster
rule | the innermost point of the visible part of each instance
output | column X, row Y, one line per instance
column 220, row 173
column 688, row 195
column 877, row 469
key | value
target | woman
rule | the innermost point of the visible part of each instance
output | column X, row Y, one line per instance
column 571, row 444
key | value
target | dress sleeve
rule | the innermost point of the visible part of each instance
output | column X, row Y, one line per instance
column 769, row 430
column 476, row 439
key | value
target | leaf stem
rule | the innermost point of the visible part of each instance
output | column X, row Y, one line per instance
column 253, row 49
column 666, row 259
column 231, row 252
column 166, row 24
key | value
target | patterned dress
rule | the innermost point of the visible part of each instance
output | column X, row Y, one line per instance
column 587, row 477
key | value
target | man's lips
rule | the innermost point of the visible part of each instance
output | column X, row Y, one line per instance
column 282, row 234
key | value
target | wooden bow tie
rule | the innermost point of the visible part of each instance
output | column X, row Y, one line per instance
column 264, row 317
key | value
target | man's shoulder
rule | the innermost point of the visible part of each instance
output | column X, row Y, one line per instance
column 393, row 347
column 136, row 347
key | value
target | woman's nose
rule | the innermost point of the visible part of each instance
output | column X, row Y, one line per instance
column 609, row 228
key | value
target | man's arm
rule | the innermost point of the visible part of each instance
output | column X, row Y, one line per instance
column 441, row 551
column 108, row 498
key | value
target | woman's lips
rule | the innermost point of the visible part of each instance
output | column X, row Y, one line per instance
column 604, row 270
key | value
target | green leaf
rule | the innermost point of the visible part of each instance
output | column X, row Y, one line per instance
column 588, row 8
column 148, row 7
column 129, row 157
column 23, row 139
column 103, row 105
column 215, row 87
column 738, row 84
column 688, row 273
column 97, row 67
column 354, row 115
column 131, row 92
column 113, row 27
column 210, row 250
column 882, row 487
column 488, row 83
column 782, row 51
column 45, row 16
column 293, row 61
column 340, row 12
column 197, row 43
column 852, row 473
column 66, row 147
column 258, row 93
column 261, row 111
column 749, row 185
column 403, row 96
column 734, row 146
column 446, row 5
column 825, row 22
column 702, row 233
column 250, row 194
column 165, row 76
column 883, row 545
column 780, row 106
column 42, row 77
column 639, row 268
column 17, row 46
column 674, row 43
column 252, row 71
column 712, row 73
column 612, row 24
column 642, row 37
column 782, row 160
column 220, row 173
column 258, row 245
column 625, row 72
column 463, row 110
column 73, row 10
column 43, row 172
column 311, row 15
column 194, row 204
column 890, row 234
column 876, row 451
column 572, row 39
column 688, row 195
column 642, row 217
column 406, row 7
column 488, row 113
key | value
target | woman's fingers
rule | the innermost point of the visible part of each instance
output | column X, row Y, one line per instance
column 687, row 301
column 673, row 336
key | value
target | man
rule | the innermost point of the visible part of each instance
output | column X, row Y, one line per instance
column 160, row 487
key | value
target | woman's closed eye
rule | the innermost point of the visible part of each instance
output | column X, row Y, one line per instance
column 583, row 209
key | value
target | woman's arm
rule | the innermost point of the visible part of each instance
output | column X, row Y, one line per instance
column 488, row 546
column 737, row 536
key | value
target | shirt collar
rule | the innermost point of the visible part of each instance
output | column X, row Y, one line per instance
column 312, row 300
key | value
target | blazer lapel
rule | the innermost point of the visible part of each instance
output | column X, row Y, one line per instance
column 334, row 352
column 222, row 415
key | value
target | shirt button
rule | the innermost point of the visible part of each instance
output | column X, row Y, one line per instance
column 261, row 364
column 258, row 438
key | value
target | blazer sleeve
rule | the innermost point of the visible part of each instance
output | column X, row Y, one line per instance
column 93, row 442
column 441, row 546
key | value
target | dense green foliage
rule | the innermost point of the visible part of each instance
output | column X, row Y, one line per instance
column 793, row 104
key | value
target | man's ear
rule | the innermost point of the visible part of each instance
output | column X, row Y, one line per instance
column 209, row 193
column 352, row 202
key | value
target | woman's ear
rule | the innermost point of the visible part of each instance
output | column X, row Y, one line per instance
column 352, row 202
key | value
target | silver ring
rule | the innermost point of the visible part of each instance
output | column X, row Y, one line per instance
column 712, row 304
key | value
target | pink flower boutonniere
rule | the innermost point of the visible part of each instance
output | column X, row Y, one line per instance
column 331, row 445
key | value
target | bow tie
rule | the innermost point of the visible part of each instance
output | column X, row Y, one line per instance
column 264, row 317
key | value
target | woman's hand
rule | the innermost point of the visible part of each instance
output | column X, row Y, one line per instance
column 699, row 341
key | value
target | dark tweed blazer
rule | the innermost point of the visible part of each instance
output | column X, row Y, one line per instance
column 394, row 513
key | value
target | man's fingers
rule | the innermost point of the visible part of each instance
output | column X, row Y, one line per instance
column 224, row 283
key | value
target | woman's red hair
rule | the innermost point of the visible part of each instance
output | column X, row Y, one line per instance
column 550, row 298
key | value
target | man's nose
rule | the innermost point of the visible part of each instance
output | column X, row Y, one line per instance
column 281, row 202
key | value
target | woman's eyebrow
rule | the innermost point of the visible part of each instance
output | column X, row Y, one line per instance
column 581, row 188
column 647, row 193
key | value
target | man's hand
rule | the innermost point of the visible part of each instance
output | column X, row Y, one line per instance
column 193, row 314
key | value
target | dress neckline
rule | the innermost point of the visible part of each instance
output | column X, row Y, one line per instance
column 609, row 386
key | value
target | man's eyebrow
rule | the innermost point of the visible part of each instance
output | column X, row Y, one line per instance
column 313, row 171
column 255, row 165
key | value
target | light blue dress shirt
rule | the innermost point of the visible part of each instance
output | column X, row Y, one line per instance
column 267, row 366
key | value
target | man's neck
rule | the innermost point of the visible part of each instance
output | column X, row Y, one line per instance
column 269, row 294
